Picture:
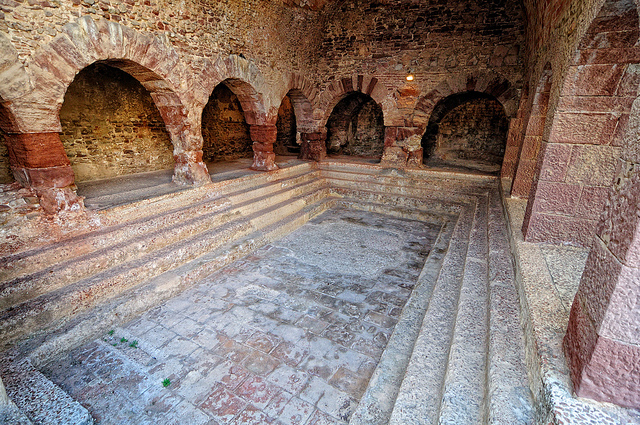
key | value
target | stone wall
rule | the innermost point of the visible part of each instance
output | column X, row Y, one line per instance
column 111, row 126
column 287, row 131
column 194, row 27
column 224, row 129
column 430, row 39
column 473, row 131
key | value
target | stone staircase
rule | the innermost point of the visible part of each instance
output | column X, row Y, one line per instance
column 456, row 356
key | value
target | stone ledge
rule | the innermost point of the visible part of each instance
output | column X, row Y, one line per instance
column 544, row 319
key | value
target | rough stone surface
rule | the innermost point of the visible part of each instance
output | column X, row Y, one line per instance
column 111, row 127
column 296, row 328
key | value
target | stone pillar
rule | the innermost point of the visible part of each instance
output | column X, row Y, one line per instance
column 263, row 137
column 38, row 161
column 602, row 344
column 402, row 147
column 313, row 146
column 190, row 169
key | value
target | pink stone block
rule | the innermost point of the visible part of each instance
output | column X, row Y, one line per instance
column 559, row 229
column 583, row 128
column 613, row 374
column 555, row 162
column 622, row 319
column 592, row 202
column 598, row 282
column 557, row 198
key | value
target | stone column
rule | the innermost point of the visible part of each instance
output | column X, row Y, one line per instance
column 602, row 343
column 39, row 162
column 402, row 147
column 313, row 146
column 189, row 168
column 263, row 137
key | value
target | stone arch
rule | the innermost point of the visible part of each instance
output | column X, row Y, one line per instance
column 14, row 80
column 532, row 138
column 14, row 83
column 579, row 158
column 356, row 126
column 303, row 97
column 111, row 125
column 339, row 89
column 489, row 83
column 480, row 145
column 225, row 127
column 244, row 79
column 150, row 59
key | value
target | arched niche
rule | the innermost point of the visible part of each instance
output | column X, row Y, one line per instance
column 286, row 124
column 356, row 127
column 225, row 132
column 467, row 129
column 111, row 125
column 6, row 175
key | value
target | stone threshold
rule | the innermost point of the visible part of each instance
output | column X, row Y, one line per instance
column 547, row 278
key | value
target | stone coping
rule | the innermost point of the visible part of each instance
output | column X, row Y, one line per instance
column 547, row 278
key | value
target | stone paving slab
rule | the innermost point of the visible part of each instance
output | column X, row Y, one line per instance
column 288, row 335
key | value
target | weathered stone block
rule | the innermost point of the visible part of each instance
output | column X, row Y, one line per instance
column 264, row 161
column 36, row 150
column 557, row 198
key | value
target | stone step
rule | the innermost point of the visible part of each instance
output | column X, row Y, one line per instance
column 372, row 195
column 378, row 401
column 140, row 211
column 463, row 392
column 394, row 211
column 420, row 394
column 177, row 228
column 432, row 180
column 130, row 304
column 39, row 400
column 68, row 300
column 11, row 414
column 509, row 397
column 150, row 216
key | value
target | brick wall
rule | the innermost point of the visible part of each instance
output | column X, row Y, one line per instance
column 224, row 129
column 428, row 38
column 197, row 28
column 111, row 126
column 473, row 131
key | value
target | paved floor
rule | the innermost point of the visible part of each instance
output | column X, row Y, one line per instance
column 289, row 335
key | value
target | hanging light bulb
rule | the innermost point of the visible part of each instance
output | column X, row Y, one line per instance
column 409, row 77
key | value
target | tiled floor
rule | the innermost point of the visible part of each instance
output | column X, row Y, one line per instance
column 289, row 335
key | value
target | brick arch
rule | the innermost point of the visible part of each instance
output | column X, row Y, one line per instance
column 489, row 83
column 491, row 154
column 303, row 96
column 339, row 89
column 149, row 59
column 244, row 79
